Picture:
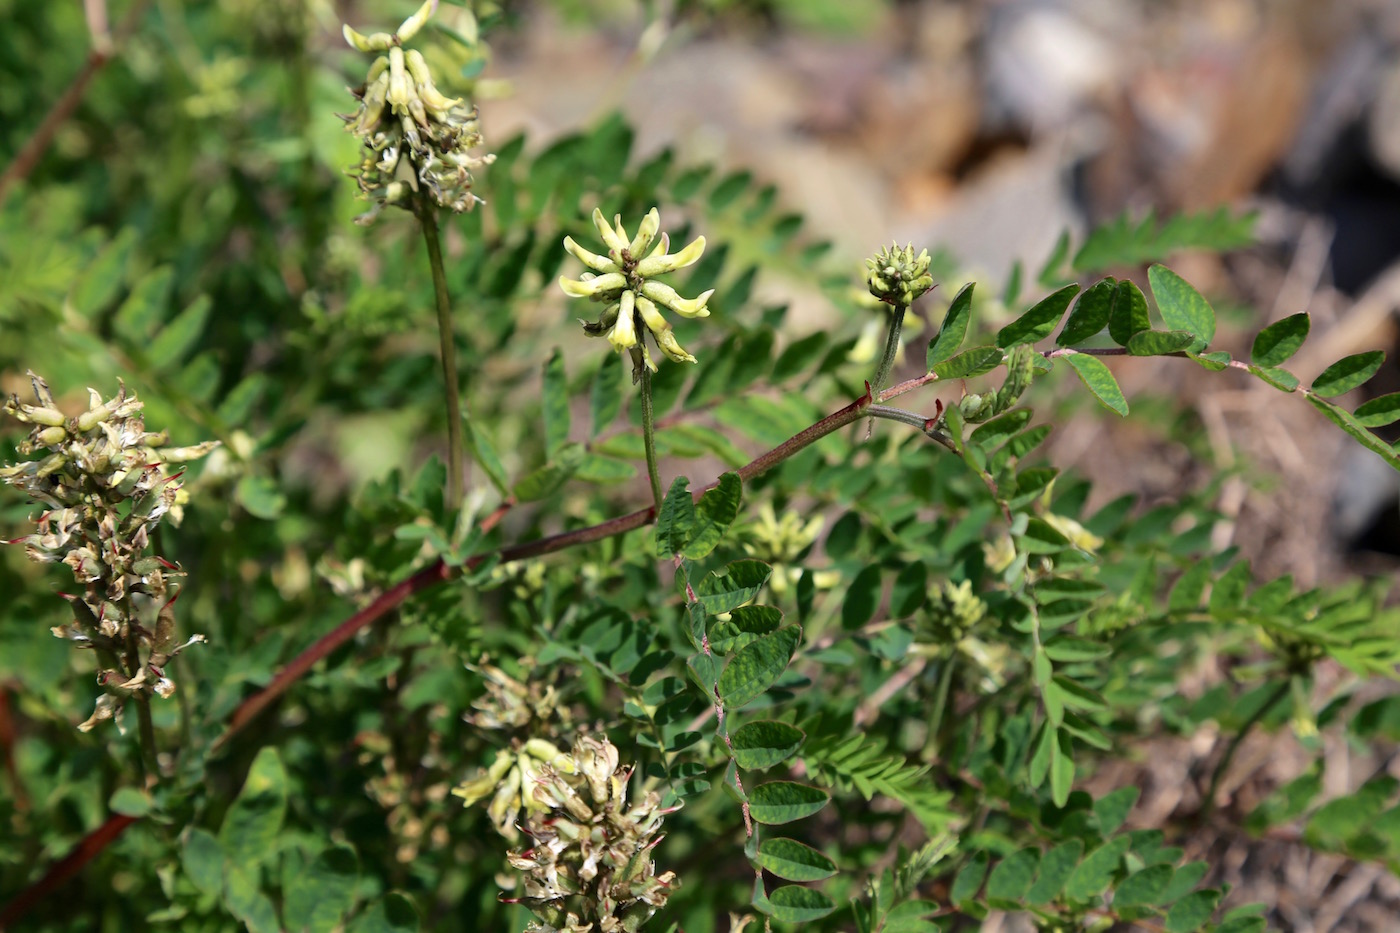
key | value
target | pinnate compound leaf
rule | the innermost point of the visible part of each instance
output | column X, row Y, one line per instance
column 1040, row 320
column 1280, row 340
column 248, row 835
column 793, row 903
column 785, row 801
column 1098, row 379
column 794, row 861
column 1055, row 868
column 1113, row 808
column 141, row 312
column 178, row 337
column 98, row 283
column 968, row 881
column 676, row 520
column 714, row 513
column 764, row 743
column 1379, row 412
column 317, row 898
column 1182, row 306
column 757, row 665
column 1090, row 314
column 953, row 330
column 728, row 589
column 394, row 913
column 1159, row 342
column 971, row 362
column 1348, row 373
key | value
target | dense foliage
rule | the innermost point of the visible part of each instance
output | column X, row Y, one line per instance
column 844, row 667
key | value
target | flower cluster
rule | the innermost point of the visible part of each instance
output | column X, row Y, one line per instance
column 415, row 137
column 105, row 485
column 624, row 280
column 780, row 542
column 589, row 870
column 898, row 277
column 954, row 611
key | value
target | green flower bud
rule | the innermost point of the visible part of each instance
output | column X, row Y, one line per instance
column 898, row 277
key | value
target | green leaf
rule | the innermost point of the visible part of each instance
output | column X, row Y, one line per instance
column 1159, row 342
column 545, row 481
column 785, row 801
column 714, row 513
column 1348, row 373
column 1215, row 362
column 676, row 520
column 1098, row 379
column 953, row 330
column 910, row 590
column 968, row 880
column 991, row 435
column 1182, row 306
column 604, row 470
column 764, row 743
column 1280, row 340
column 202, row 858
column 1061, row 768
column 317, row 898
column 969, row 363
column 799, row 355
column 130, row 801
column 260, row 496
column 98, row 283
column 757, row 665
column 1128, row 315
column 1192, row 912
column 143, row 309
column 1090, row 314
column 245, row 901
column 793, row 903
column 1280, row 379
column 178, row 337
column 484, row 453
column 248, row 835
column 1126, row 241
column 729, row 189
column 556, row 404
column 238, row 404
column 862, row 598
column 1055, row 868
column 1185, row 878
column 1143, row 888
column 1050, row 272
column 1012, row 877
column 393, row 913
column 1344, row 420
column 1095, row 873
column 1113, row 808
column 1040, row 320
column 1379, row 412
column 794, row 861
column 724, row 591
column 606, row 394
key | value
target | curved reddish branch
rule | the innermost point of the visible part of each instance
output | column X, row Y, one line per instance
column 84, row 852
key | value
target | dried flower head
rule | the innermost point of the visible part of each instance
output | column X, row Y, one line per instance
column 416, row 139
column 105, row 485
column 624, row 281
column 898, row 277
column 589, row 870
column 509, row 781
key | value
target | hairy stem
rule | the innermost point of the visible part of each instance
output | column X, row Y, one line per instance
column 891, row 346
column 649, row 438
column 427, row 216
column 1281, row 691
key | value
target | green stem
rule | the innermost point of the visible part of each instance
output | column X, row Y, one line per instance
column 649, row 438
column 891, row 347
column 940, row 702
column 1208, row 806
column 427, row 216
column 146, row 728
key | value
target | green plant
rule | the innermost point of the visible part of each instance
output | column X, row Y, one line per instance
column 854, row 673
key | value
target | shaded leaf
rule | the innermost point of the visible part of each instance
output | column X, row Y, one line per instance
column 794, row 861
column 726, row 590
column 1348, row 373
column 1182, row 307
column 1280, row 340
column 953, row 330
column 714, row 513
column 969, row 363
column 796, row 904
column 764, row 743
column 1090, row 314
column 1038, row 322
column 785, row 801
column 1098, row 379
column 757, row 665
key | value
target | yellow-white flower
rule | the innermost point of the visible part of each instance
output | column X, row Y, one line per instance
column 623, row 279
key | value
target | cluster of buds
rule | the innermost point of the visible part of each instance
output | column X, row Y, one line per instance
column 105, row 485
column 954, row 611
column 898, row 277
column 624, row 281
column 509, row 783
column 780, row 542
column 416, row 139
column 589, row 870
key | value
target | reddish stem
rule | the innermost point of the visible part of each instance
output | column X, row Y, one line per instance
column 84, row 852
